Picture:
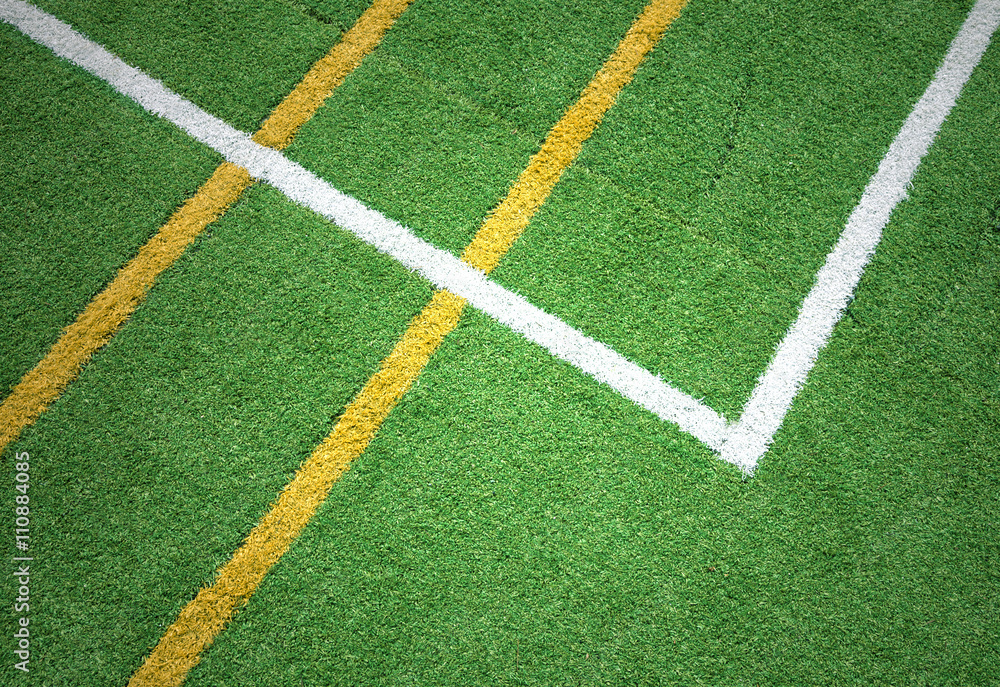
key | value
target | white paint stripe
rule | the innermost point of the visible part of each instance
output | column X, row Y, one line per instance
column 836, row 281
column 438, row 266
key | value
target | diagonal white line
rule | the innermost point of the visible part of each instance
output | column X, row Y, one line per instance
column 440, row 267
column 835, row 282
column 742, row 444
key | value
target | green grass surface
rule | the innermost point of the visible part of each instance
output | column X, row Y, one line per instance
column 515, row 522
column 196, row 415
column 84, row 187
column 236, row 59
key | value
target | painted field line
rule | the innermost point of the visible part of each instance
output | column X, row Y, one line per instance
column 200, row 621
column 565, row 140
column 437, row 266
column 205, row 616
column 109, row 310
column 823, row 307
column 328, row 73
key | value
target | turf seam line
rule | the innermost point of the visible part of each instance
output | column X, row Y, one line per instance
column 836, row 281
column 439, row 267
column 111, row 308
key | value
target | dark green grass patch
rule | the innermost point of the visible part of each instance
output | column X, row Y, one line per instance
column 87, row 179
column 693, row 225
column 524, row 62
column 759, row 124
column 438, row 123
column 620, row 272
column 237, row 60
column 154, row 466
column 339, row 14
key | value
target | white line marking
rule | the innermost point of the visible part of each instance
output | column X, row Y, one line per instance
column 742, row 444
column 438, row 266
column 835, row 282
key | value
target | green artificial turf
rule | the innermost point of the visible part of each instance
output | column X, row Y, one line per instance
column 727, row 170
column 84, row 187
column 238, row 60
column 515, row 522
column 152, row 468
column 436, row 125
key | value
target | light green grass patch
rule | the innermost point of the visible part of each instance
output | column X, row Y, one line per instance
column 418, row 156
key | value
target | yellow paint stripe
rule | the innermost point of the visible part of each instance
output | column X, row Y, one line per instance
column 566, row 138
column 207, row 614
column 105, row 315
column 329, row 72
column 112, row 307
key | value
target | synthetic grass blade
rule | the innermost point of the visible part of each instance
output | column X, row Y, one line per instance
column 109, row 310
column 208, row 613
column 836, row 281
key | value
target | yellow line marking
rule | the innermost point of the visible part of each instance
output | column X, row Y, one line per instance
column 329, row 72
column 207, row 614
column 109, row 310
column 104, row 315
column 566, row 138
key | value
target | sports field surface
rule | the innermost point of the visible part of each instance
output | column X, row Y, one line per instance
column 439, row 342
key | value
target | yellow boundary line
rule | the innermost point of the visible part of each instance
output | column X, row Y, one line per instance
column 566, row 138
column 110, row 309
column 300, row 105
column 207, row 614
